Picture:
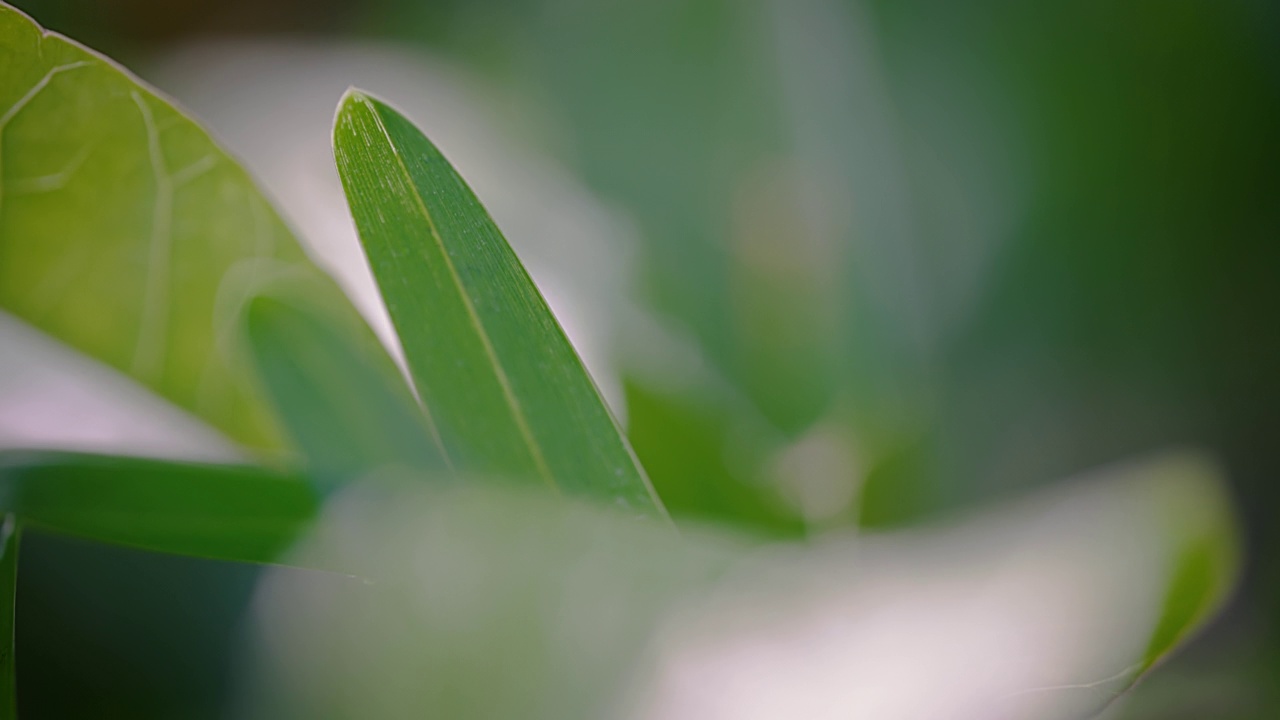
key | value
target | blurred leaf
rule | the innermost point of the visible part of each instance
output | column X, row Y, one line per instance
column 1040, row 609
column 126, row 231
column 494, row 369
column 10, row 532
column 482, row 602
column 245, row 514
column 338, row 394
column 697, row 450
column 487, row 604
column 895, row 488
column 1207, row 546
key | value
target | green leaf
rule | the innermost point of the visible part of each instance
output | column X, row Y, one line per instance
column 346, row 408
column 696, row 445
column 126, row 231
column 1200, row 526
column 244, row 514
column 10, row 533
column 504, row 386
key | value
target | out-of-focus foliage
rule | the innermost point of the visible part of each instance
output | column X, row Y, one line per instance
column 1044, row 221
column 485, row 605
column 922, row 255
column 10, row 534
column 1083, row 268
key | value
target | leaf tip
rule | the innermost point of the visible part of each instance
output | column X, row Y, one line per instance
column 352, row 99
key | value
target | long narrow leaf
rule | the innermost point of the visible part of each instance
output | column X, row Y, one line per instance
column 347, row 409
column 228, row 513
column 508, row 392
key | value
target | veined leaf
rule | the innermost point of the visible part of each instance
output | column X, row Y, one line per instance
column 348, row 411
column 9, row 536
column 126, row 231
column 506, row 389
column 245, row 514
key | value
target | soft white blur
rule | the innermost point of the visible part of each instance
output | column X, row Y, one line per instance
column 51, row 397
column 481, row 603
column 1039, row 615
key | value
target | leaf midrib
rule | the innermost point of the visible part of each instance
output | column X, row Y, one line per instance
column 508, row 393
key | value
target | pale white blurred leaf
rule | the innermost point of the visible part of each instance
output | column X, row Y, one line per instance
column 495, row 604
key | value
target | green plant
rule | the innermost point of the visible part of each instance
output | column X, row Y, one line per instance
column 129, row 235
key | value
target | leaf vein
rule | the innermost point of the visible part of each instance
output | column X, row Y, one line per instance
column 149, row 354
column 25, row 100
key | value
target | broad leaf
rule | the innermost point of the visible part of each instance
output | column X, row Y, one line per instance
column 126, row 231
column 507, row 391
column 10, row 532
column 348, row 411
column 227, row 513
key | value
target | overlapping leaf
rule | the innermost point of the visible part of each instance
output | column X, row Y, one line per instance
column 348, row 411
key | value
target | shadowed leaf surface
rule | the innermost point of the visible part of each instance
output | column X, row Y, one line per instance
column 219, row 512
column 9, row 536
column 348, row 411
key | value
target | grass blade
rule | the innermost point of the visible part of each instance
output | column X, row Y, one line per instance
column 243, row 514
column 338, row 394
column 506, row 389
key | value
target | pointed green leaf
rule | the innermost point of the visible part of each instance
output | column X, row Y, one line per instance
column 229, row 513
column 348, row 410
column 126, row 231
column 9, row 536
column 506, row 389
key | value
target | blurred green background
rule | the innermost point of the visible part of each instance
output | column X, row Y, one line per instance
column 970, row 246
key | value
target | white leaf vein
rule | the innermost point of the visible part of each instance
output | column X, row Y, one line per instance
column 148, row 358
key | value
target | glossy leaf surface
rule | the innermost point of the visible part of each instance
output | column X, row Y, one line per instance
column 507, row 391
